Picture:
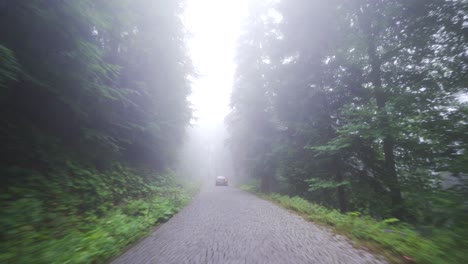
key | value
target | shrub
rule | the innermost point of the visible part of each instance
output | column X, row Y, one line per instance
column 81, row 215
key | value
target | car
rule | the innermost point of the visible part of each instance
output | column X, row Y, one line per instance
column 221, row 180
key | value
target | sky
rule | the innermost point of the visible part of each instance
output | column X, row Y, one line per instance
column 214, row 27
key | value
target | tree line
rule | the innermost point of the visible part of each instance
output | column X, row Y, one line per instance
column 97, row 81
column 93, row 109
column 357, row 105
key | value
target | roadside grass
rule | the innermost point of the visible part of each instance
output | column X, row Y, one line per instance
column 94, row 240
column 49, row 229
column 398, row 241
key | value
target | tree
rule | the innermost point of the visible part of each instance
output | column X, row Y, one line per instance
column 361, row 99
column 97, row 81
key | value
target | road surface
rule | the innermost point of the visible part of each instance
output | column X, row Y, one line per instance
column 227, row 225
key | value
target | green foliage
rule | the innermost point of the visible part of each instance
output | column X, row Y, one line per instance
column 93, row 241
column 9, row 67
column 442, row 246
column 391, row 220
column 317, row 184
column 89, row 92
column 249, row 188
column 80, row 83
column 295, row 203
column 355, row 213
column 359, row 110
column 84, row 219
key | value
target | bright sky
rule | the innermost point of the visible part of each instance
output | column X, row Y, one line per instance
column 215, row 26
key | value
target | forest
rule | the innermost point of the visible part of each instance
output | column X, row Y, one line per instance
column 93, row 108
column 352, row 113
column 359, row 106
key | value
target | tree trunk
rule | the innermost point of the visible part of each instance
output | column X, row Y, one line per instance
column 341, row 189
column 336, row 159
column 390, row 174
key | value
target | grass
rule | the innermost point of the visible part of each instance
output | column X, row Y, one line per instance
column 86, row 238
column 400, row 242
column 95, row 240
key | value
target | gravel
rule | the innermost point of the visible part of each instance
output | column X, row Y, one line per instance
column 227, row 225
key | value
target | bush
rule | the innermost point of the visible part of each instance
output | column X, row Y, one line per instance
column 84, row 216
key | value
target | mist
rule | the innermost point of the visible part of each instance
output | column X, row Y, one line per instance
column 233, row 131
column 212, row 46
column 206, row 155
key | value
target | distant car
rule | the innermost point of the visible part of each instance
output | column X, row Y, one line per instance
column 221, row 180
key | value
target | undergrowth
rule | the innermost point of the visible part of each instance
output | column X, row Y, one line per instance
column 402, row 240
column 81, row 215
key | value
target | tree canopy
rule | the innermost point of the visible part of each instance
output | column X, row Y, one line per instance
column 93, row 109
column 102, row 81
column 355, row 104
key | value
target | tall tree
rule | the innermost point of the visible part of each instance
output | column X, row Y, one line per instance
column 362, row 98
column 97, row 81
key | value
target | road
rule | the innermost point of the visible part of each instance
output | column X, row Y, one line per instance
column 227, row 225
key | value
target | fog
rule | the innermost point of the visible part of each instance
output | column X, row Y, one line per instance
column 213, row 30
column 205, row 154
column 301, row 117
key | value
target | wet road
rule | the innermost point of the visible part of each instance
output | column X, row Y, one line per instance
column 227, row 225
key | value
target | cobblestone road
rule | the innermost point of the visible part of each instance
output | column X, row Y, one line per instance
column 227, row 225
